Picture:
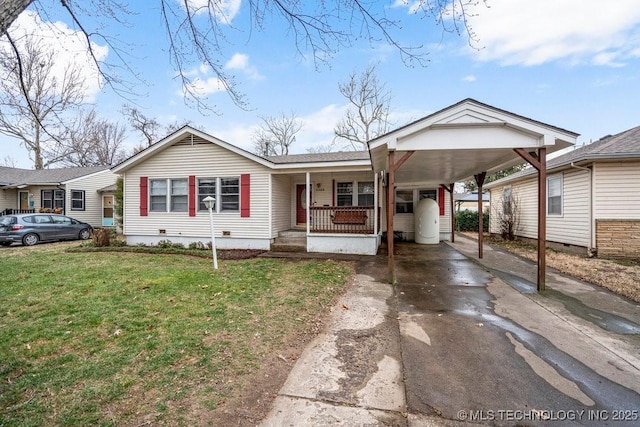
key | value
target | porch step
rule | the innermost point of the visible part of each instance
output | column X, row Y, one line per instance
column 290, row 241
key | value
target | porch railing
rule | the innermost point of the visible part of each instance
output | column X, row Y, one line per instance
column 343, row 219
column 16, row 211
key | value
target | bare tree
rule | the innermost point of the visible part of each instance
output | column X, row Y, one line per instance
column 507, row 214
column 367, row 115
column 9, row 11
column 34, row 103
column 147, row 126
column 322, row 148
column 276, row 135
column 9, row 162
column 471, row 185
column 199, row 31
column 92, row 141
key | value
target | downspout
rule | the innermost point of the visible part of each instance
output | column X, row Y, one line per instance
column 592, row 238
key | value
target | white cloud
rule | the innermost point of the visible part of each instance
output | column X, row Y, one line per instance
column 224, row 11
column 240, row 61
column 470, row 78
column 69, row 46
column 526, row 32
column 201, row 87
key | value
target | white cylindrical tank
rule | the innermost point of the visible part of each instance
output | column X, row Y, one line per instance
column 427, row 220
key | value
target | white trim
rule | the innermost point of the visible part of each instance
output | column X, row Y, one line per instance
column 561, row 178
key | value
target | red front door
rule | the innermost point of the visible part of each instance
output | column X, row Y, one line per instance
column 301, row 204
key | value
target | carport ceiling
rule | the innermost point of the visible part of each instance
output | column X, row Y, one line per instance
column 460, row 141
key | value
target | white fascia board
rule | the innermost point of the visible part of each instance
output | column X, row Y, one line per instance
column 323, row 165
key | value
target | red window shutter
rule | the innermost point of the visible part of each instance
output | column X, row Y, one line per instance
column 441, row 200
column 192, row 195
column 245, row 196
column 144, row 196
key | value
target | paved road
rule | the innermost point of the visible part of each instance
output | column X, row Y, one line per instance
column 464, row 341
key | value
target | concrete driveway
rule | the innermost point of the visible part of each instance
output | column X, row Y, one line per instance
column 465, row 341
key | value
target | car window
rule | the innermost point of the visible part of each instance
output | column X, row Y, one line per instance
column 61, row 220
column 28, row 219
column 7, row 220
column 42, row 219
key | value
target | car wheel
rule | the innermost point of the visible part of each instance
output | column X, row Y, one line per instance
column 84, row 234
column 30, row 239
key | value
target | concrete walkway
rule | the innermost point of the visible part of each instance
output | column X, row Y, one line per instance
column 462, row 341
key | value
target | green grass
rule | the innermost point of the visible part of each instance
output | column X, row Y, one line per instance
column 106, row 338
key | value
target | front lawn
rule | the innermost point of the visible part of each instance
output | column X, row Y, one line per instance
column 114, row 338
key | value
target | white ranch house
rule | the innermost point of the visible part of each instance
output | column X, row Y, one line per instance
column 593, row 197
column 350, row 208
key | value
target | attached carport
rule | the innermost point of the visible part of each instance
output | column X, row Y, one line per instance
column 467, row 140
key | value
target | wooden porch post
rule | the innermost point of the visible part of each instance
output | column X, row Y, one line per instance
column 540, row 163
column 542, row 219
column 450, row 188
column 390, row 212
column 480, row 181
column 391, row 204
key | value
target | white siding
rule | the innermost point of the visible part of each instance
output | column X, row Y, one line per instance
column 92, row 212
column 617, row 190
column 204, row 160
column 281, row 200
column 9, row 199
column 405, row 223
column 572, row 227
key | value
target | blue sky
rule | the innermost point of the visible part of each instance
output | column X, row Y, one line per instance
column 571, row 63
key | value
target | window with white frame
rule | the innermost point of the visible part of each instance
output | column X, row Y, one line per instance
column 207, row 187
column 554, row 195
column 428, row 194
column 158, row 195
column 404, row 201
column 229, row 194
column 344, row 193
column 179, row 195
column 168, row 195
column 228, row 190
column 365, row 194
column 507, row 199
column 77, row 200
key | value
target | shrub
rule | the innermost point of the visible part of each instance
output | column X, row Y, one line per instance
column 467, row 220
column 101, row 237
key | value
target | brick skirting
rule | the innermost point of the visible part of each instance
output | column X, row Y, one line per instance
column 618, row 238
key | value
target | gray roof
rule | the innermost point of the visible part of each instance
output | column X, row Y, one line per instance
column 623, row 145
column 470, row 197
column 15, row 176
column 339, row 156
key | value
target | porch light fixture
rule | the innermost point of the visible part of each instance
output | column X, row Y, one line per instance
column 209, row 203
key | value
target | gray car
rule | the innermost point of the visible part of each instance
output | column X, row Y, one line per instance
column 32, row 228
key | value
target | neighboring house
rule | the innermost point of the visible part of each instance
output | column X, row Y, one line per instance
column 469, row 201
column 593, row 197
column 335, row 202
column 83, row 193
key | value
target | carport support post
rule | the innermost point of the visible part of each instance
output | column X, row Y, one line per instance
column 449, row 189
column 480, row 181
column 390, row 211
column 540, row 163
column 391, row 198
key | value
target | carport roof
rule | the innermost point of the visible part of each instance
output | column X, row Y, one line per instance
column 464, row 139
